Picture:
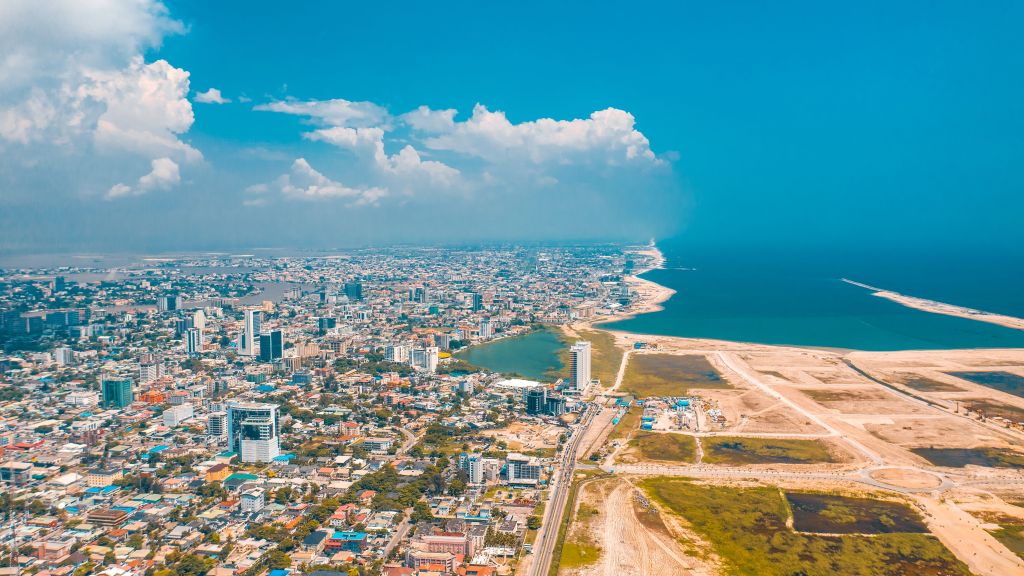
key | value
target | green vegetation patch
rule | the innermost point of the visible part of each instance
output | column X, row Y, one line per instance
column 669, row 375
column 740, row 451
column 665, row 446
column 1011, row 535
column 567, row 551
column 834, row 514
column 747, row 528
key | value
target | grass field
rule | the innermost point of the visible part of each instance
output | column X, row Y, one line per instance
column 664, row 446
column 747, row 529
column 736, row 451
column 605, row 356
column 650, row 375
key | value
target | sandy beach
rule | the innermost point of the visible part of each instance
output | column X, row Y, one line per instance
column 935, row 307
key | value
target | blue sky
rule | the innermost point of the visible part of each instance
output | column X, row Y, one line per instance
column 874, row 124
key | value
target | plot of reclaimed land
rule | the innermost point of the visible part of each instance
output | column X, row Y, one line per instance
column 736, row 451
column 661, row 447
column 650, row 375
column 992, row 409
column 1003, row 381
column 747, row 528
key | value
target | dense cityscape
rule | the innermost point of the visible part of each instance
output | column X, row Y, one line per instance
column 231, row 415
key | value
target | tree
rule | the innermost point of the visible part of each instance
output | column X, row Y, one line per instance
column 421, row 512
column 277, row 560
column 533, row 522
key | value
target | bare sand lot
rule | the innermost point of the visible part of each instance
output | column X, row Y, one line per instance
column 911, row 428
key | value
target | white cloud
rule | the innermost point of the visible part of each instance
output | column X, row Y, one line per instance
column 146, row 109
column 303, row 182
column 211, row 96
column 335, row 112
column 607, row 136
column 426, row 120
column 404, row 169
column 75, row 83
column 164, row 175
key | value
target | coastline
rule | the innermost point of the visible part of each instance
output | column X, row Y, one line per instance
column 935, row 307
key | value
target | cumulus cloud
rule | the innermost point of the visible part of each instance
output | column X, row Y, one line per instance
column 335, row 112
column 406, row 164
column 75, row 84
column 211, row 96
column 426, row 120
column 607, row 136
column 146, row 109
column 303, row 182
column 164, row 175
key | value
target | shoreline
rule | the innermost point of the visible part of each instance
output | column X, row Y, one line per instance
column 936, row 307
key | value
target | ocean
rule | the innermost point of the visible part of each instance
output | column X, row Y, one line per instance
column 800, row 299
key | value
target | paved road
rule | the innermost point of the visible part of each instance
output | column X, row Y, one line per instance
column 561, row 481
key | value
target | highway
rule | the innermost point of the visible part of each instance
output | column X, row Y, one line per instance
column 561, row 482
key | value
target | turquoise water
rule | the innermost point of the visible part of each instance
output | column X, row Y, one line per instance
column 531, row 356
column 803, row 302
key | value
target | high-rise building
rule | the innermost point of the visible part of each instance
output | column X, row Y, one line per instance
column 354, row 290
column 536, row 400
column 247, row 339
column 396, row 353
column 579, row 365
column 478, row 301
column 271, row 346
column 326, row 323
column 63, row 356
column 199, row 319
column 169, row 303
column 424, row 358
column 58, row 284
column 486, row 328
column 117, row 392
column 150, row 369
column 181, row 326
column 217, row 425
column 253, row 431
column 194, row 341
column 473, row 466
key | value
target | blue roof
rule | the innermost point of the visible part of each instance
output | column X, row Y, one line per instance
column 279, row 572
column 159, row 448
column 264, row 388
column 349, row 536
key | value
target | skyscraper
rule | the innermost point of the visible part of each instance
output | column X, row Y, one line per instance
column 271, row 346
column 117, row 392
column 169, row 303
column 247, row 339
column 478, row 302
column 252, row 430
column 536, row 400
column 194, row 341
column 579, row 365
column 354, row 290
column 486, row 328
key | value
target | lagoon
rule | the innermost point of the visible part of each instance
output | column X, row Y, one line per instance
column 533, row 355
